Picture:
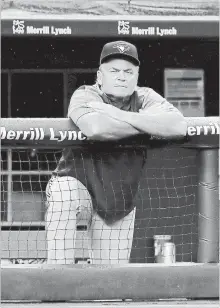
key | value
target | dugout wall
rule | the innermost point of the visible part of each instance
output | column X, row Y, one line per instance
column 39, row 83
column 60, row 55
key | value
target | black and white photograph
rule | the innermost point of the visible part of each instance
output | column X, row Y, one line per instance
column 110, row 154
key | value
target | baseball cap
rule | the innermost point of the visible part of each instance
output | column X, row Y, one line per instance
column 119, row 49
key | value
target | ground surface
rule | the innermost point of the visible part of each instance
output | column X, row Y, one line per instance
column 117, row 304
column 113, row 7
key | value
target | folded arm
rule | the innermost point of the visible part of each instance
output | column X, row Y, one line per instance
column 156, row 117
column 158, row 123
column 159, row 118
column 97, row 125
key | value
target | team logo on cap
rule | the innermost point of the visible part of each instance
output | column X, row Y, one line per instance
column 122, row 47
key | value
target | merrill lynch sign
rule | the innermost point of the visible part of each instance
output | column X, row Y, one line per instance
column 125, row 28
column 39, row 134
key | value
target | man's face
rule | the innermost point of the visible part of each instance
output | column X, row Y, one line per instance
column 118, row 77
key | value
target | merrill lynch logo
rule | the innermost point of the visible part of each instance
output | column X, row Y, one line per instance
column 18, row 26
column 123, row 27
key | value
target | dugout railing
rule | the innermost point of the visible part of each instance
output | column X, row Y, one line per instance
column 195, row 279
